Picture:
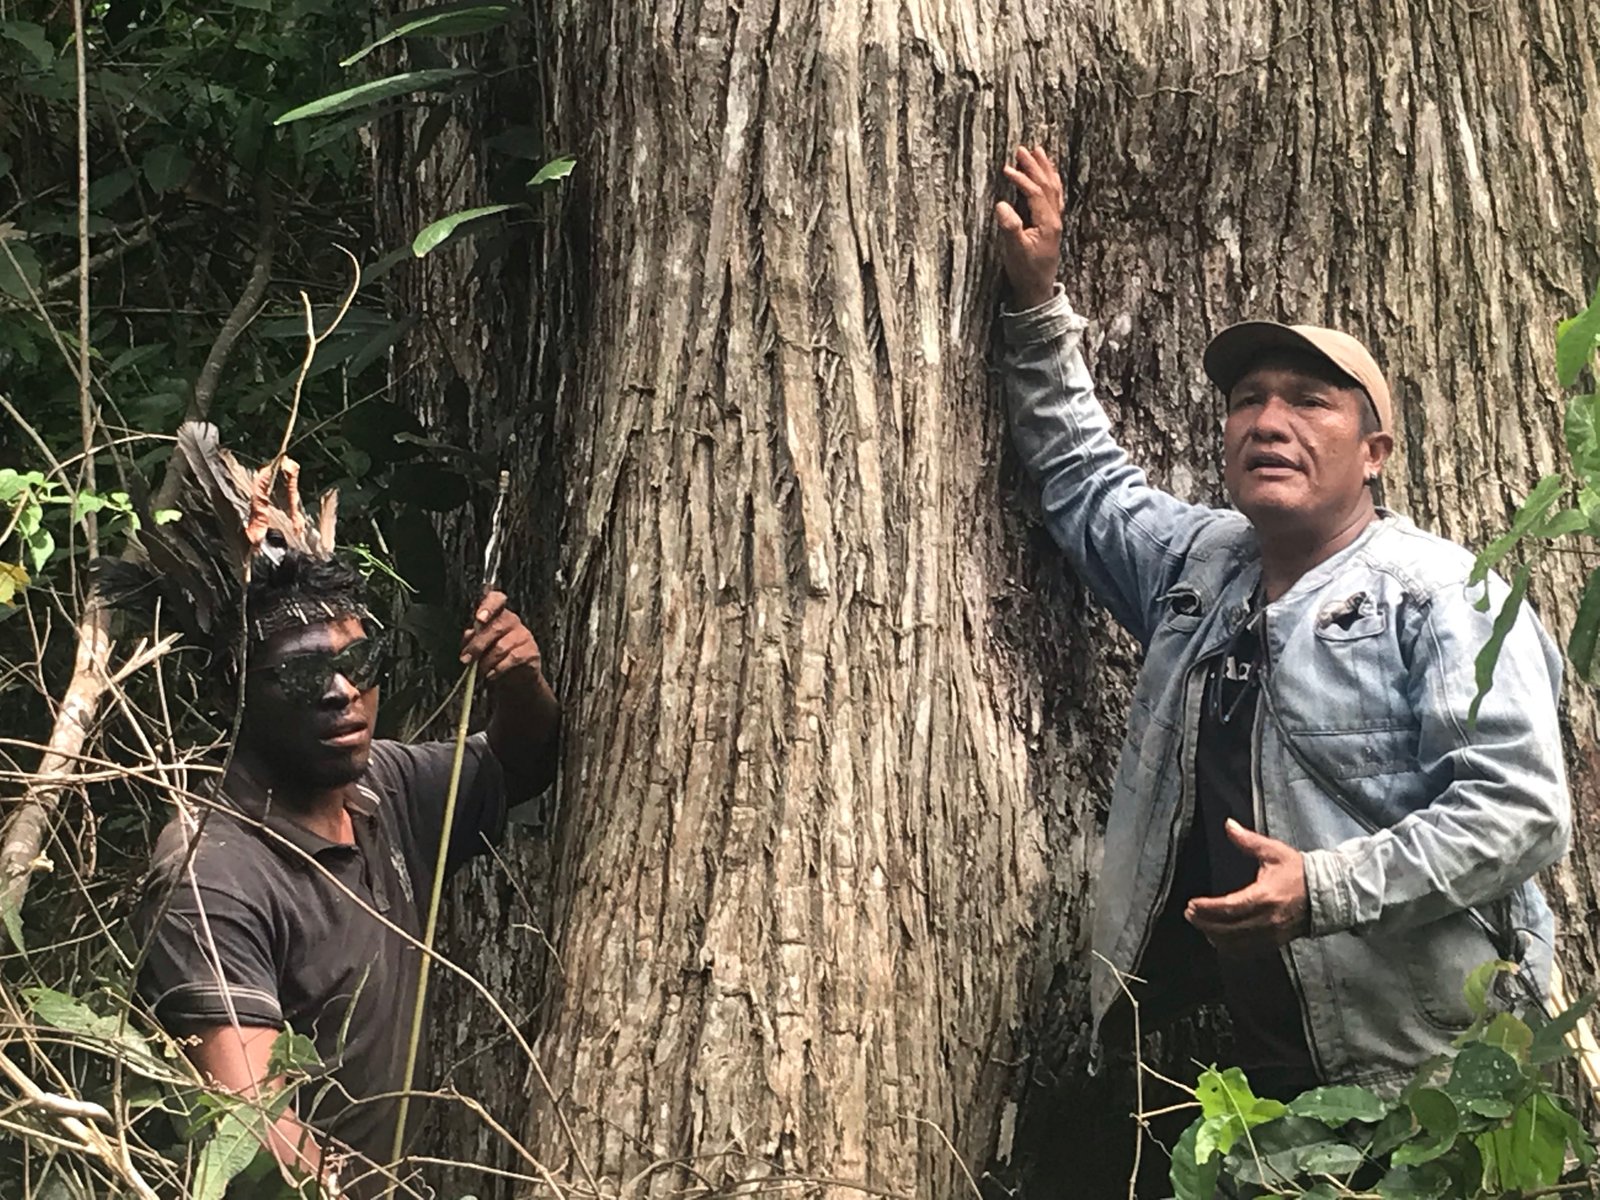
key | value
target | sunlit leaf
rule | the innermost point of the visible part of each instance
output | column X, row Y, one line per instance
column 13, row 578
column 1193, row 1178
column 438, row 232
column 230, row 1149
column 109, row 1034
column 1576, row 339
column 376, row 92
column 445, row 20
column 1532, row 511
column 1475, row 991
column 1336, row 1106
column 556, row 168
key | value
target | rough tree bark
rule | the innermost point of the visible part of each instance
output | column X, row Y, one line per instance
column 839, row 730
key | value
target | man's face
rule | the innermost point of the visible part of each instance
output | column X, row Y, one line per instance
column 1296, row 459
column 323, row 738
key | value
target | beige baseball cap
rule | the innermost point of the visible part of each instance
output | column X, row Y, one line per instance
column 1239, row 347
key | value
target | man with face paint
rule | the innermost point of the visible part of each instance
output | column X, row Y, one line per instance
column 1306, row 823
column 296, row 901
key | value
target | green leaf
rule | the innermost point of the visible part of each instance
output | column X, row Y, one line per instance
column 1391, row 1131
column 1549, row 1040
column 1476, row 989
column 1584, row 641
column 1287, row 1149
column 376, row 91
column 1440, row 1121
column 1534, row 507
column 1484, row 1080
column 1569, row 520
column 11, row 914
column 20, row 268
column 1336, row 1106
column 166, row 167
column 556, row 168
column 1510, row 1034
column 31, row 38
column 110, row 1035
column 436, row 233
column 1428, row 1182
column 230, row 1149
column 444, row 20
column 1483, row 666
column 1531, row 1152
column 1582, row 430
column 1576, row 339
column 41, row 545
column 292, row 1054
column 1193, row 1178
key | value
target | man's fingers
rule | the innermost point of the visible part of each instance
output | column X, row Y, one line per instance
column 1245, row 905
column 490, row 607
column 1010, row 219
column 476, row 640
column 1029, row 186
column 1257, row 845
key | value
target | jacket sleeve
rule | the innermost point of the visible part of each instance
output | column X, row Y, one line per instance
column 1125, row 539
column 1503, row 814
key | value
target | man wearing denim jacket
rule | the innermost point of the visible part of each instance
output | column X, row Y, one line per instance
column 1303, row 816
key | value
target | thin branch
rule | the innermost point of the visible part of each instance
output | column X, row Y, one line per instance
column 86, row 413
column 205, row 386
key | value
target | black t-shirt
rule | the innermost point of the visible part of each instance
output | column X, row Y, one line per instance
column 291, row 946
column 1261, row 1000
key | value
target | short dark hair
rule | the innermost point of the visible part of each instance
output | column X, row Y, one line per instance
column 292, row 588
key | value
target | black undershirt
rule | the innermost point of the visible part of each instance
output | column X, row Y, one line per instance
column 1261, row 1000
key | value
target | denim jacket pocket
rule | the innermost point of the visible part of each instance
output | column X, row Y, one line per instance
column 1182, row 609
column 1438, row 958
column 1351, row 619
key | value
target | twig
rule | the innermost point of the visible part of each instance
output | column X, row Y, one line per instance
column 86, row 414
column 205, row 385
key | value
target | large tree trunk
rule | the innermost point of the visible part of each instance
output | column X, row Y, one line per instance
column 839, row 732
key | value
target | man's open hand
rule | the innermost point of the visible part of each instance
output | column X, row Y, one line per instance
column 498, row 640
column 1031, row 249
column 1271, row 912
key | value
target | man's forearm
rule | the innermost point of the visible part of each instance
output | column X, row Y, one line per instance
column 524, row 732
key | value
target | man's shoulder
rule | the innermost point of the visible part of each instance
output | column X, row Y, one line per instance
column 219, row 849
column 1423, row 562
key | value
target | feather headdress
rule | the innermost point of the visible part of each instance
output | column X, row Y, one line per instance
column 240, row 558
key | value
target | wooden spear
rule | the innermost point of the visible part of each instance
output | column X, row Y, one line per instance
column 491, row 577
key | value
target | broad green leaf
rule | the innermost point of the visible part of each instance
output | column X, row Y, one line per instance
column 1484, row 1073
column 1533, row 509
column 1576, row 338
column 445, row 20
column 13, row 578
column 1483, row 666
column 1569, row 520
column 1336, row 1106
column 1192, row 1178
column 1549, row 1040
column 41, row 545
column 30, row 37
column 556, row 168
column 1440, row 1122
column 1391, row 1131
column 1531, row 1152
column 20, row 268
column 292, row 1054
column 11, row 917
column 108, row 1034
column 1288, row 1149
column 230, row 1149
column 1427, row 1182
column 1476, row 988
column 1582, row 429
column 376, row 91
column 1585, row 638
column 1510, row 1034
column 436, row 233
column 166, row 167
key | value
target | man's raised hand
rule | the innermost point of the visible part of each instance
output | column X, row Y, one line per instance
column 1031, row 249
column 498, row 640
column 1271, row 912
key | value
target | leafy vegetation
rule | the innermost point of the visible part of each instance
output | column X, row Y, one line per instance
column 1482, row 1122
column 227, row 187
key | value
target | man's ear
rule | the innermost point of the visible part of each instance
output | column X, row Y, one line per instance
column 1378, row 447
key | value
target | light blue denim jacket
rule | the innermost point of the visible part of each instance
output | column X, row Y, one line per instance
column 1408, row 819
